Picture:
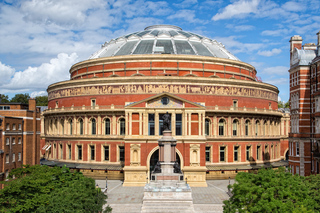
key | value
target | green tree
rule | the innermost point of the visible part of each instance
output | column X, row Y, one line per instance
column 42, row 100
column 280, row 104
column 272, row 191
column 4, row 98
column 45, row 189
column 20, row 98
column 287, row 104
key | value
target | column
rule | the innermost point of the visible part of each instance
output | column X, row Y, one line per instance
column 199, row 124
column 214, row 126
column 156, row 123
column 85, row 128
column 140, row 123
column 99, row 125
column 173, row 123
column 114, row 124
column 189, row 124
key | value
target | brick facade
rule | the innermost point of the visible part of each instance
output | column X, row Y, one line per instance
column 224, row 120
column 20, row 138
column 304, row 92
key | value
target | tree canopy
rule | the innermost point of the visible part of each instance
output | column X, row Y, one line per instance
column 24, row 98
column 45, row 189
column 282, row 104
column 274, row 191
column 20, row 98
column 4, row 98
column 42, row 100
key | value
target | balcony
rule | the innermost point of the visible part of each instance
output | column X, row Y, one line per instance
column 95, row 108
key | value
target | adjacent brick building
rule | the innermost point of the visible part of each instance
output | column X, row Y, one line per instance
column 107, row 118
column 304, row 103
column 20, row 135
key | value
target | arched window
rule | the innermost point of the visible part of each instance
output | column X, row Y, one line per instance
column 81, row 126
column 62, row 126
column 264, row 128
column 257, row 127
column 70, row 124
column 207, row 127
column 247, row 127
column 93, row 126
column 122, row 126
column 221, row 127
column 107, row 126
column 235, row 127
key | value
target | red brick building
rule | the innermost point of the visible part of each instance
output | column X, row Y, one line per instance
column 20, row 135
column 107, row 118
column 304, row 97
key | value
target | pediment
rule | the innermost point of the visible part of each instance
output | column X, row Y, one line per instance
column 165, row 100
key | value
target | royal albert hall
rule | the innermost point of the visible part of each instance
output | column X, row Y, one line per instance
column 107, row 119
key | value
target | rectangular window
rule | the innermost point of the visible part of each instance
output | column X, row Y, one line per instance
column 297, row 149
column 93, row 103
column 121, row 153
column 266, row 153
column 61, row 151
column 19, row 140
column 13, row 127
column 106, row 153
column 13, row 140
column 6, row 107
column 7, row 141
column 13, row 157
column 235, row 103
column 208, row 151
column 161, row 124
column 92, row 152
column 297, row 170
column 222, row 153
column 151, row 124
column 79, row 152
column 7, row 158
column 19, row 156
column 7, row 126
column 178, row 124
column 258, row 152
column 236, row 153
column 248, row 152
column 69, row 151
column 19, row 126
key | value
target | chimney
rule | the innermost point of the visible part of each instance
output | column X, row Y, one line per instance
column 32, row 104
column 309, row 46
column 295, row 42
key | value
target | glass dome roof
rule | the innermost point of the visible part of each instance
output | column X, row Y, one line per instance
column 163, row 39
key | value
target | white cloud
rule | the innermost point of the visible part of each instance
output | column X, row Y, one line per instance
column 187, row 15
column 239, row 8
column 6, row 73
column 278, row 70
column 235, row 46
column 38, row 93
column 186, row 3
column 38, row 78
column 277, row 81
column 279, row 32
column 239, row 28
column 269, row 53
column 294, row 6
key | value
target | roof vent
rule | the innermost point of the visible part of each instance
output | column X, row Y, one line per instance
column 163, row 26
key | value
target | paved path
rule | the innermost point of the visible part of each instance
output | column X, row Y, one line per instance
column 129, row 199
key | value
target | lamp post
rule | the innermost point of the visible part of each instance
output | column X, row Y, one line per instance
column 97, row 188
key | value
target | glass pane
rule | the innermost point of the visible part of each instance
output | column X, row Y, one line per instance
column 183, row 47
column 144, row 47
column 167, row 44
column 127, row 48
column 201, row 49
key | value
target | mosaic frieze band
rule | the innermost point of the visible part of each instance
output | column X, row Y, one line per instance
column 159, row 88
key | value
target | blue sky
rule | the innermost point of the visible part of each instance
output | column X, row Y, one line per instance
column 41, row 39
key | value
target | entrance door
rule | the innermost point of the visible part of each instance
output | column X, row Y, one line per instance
column 155, row 158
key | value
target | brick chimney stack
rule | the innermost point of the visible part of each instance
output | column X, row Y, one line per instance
column 32, row 104
column 295, row 42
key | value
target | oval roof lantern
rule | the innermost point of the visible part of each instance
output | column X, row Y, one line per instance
column 163, row 39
